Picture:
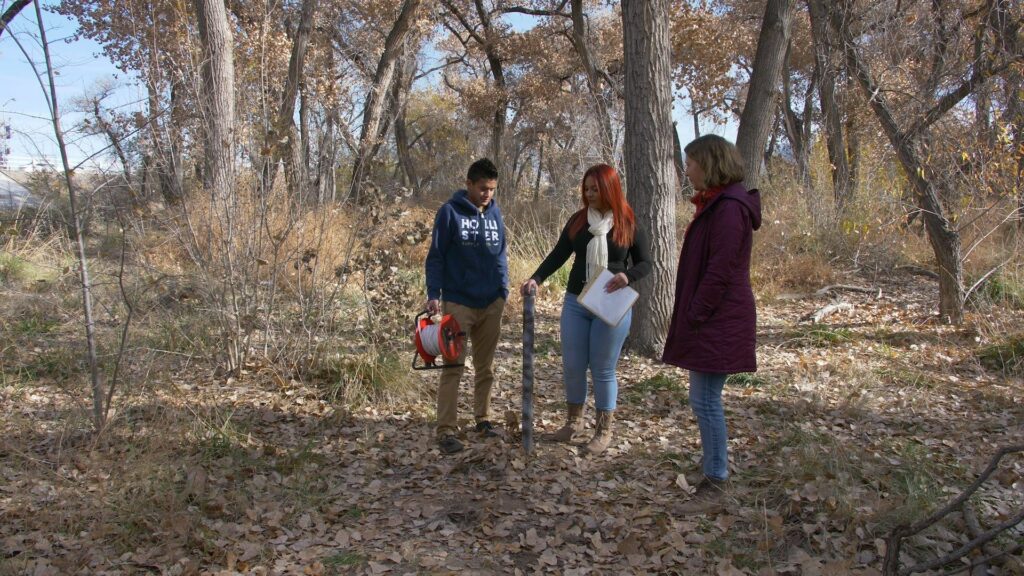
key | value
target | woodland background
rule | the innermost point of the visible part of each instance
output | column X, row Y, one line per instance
column 205, row 351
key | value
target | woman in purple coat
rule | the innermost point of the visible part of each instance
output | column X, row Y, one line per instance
column 712, row 333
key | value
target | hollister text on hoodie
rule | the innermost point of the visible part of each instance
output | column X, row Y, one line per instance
column 468, row 262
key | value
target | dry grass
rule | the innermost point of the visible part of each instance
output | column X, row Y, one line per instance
column 184, row 453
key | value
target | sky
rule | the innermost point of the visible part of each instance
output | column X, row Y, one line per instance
column 82, row 67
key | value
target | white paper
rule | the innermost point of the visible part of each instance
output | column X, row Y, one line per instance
column 608, row 306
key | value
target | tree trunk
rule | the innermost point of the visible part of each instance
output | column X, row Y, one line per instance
column 604, row 122
column 500, row 120
column 797, row 127
column 377, row 96
column 407, row 68
column 540, row 168
column 166, row 164
column 484, row 36
column 830, row 111
column 852, row 135
column 98, row 395
column 325, row 179
column 304, row 110
column 677, row 159
column 758, row 112
column 649, row 165
column 944, row 239
column 1013, row 111
column 281, row 140
column 218, row 74
column 218, row 109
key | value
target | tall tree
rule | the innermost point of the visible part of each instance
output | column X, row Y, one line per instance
column 283, row 128
column 910, row 138
column 581, row 42
column 400, row 96
column 487, row 38
column 759, row 110
column 832, row 117
column 1007, row 30
column 798, row 125
column 649, row 166
column 218, row 73
column 100, row 397
column 377, row 96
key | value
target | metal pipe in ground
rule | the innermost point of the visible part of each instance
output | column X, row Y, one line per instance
column 528, row 314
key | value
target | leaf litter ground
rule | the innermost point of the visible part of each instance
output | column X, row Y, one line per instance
column 875, row 417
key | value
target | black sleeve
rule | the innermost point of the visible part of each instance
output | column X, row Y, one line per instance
column 556, row 258
column 640, row 255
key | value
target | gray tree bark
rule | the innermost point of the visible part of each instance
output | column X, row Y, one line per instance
column 832, row 117
column 579, row 40
column 649, row 165
column 377, row 97
column 218, row 73
column 798, row 130
column 99, row 397
column 943, row 237
column 758, row 112
column 407, row 70
column 677, row 159
column 218, row 109
column 1013, row 112
column 281, row 140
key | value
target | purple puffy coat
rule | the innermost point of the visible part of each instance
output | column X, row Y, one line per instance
column 714, row 321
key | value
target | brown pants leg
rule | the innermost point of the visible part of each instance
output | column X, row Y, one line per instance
column 483, row 326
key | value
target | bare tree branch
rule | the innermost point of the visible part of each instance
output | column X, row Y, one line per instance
column 895, row 540
column 954, row 97
column 465, row 23
column 538, row 12
column 11, row 12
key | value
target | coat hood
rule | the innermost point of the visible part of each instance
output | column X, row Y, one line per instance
column 460, row 201
column 751, row 200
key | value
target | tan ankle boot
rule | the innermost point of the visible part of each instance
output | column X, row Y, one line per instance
column 602, row 433
column 573, row 424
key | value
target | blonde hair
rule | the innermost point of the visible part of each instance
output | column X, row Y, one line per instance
column 719, row 158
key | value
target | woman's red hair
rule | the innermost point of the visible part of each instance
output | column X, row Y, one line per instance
column 609, row 186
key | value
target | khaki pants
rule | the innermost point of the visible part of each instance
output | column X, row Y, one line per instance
column 483, row 328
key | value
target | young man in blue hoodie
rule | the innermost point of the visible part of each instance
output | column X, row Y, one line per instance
column 467, row 270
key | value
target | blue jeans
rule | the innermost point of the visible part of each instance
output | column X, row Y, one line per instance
column 587, row 342
column 706, row 402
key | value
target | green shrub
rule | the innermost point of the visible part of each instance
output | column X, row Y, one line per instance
column 912, row 486
column 369, row 378
column 59, row 363
column 1006, row 356
column 33, row 325
column 1000, row 289
column 12, row 268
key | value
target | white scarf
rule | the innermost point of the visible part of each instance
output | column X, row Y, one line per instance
column 597, row 248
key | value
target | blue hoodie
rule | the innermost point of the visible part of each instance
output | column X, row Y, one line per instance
column 468, row 259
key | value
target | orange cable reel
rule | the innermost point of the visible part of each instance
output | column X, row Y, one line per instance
column 445, row 339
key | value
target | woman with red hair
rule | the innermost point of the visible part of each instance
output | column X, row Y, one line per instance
column 603, row 234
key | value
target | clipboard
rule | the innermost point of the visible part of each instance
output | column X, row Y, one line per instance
column 609, row 307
